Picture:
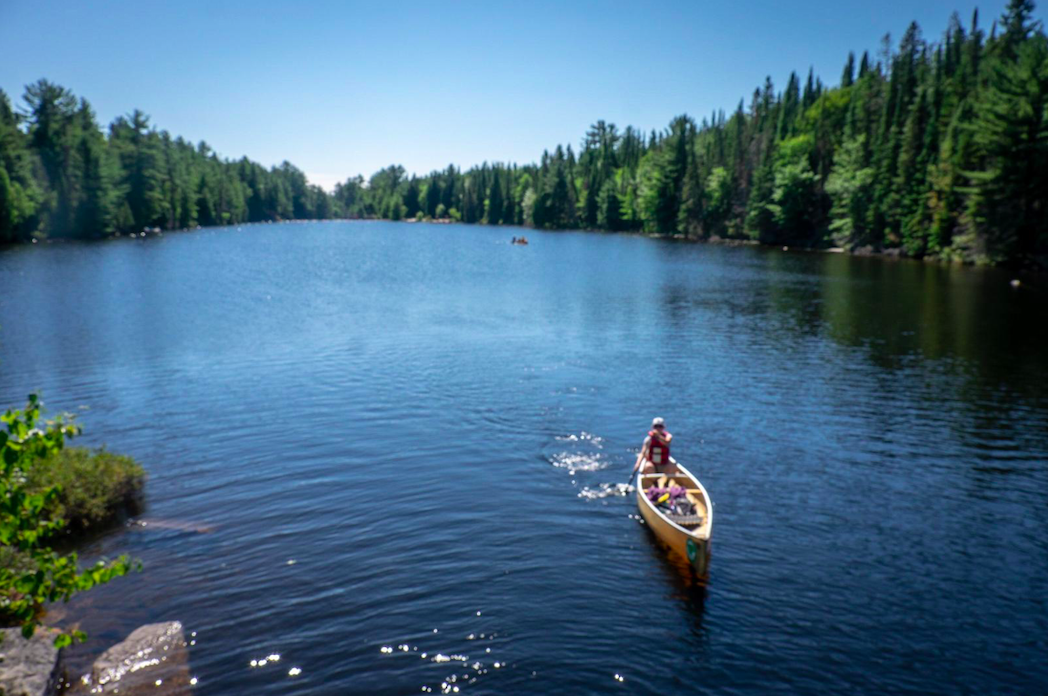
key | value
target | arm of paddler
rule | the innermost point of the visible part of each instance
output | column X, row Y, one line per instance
column 640, row 457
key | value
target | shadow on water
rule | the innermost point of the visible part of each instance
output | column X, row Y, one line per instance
column 685, row 584
column 939, row 312
column 894, row 309
column 950, row 337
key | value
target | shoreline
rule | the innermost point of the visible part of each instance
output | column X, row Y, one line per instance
column 1032, row 266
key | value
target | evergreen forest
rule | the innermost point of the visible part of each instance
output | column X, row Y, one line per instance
column 934, row 149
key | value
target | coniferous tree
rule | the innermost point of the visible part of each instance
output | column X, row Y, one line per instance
column 848, row 76
column 850, row 188
column 934, row 149
column 609, row 207
column 53, row 131
column 494, row 209
column 689, row 215
column 411, row 198
column 432, row 194
column 95, row 215
column 20, row 195
column 1011, row 134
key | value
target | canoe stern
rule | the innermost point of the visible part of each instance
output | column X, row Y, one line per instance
column 691, row 545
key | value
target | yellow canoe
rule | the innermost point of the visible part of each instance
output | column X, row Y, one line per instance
column 687, row 536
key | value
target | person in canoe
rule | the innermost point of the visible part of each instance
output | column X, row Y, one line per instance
column 654, row 457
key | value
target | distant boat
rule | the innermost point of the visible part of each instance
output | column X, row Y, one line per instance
column 688, row 536
column 519, row 240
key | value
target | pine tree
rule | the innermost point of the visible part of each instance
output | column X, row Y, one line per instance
column 96, row 211
column 52, row 135
column 850, row 187
column 1017, row 24
column 137, row 147
column 609, row 213
column 412, row 193
column 848, row 76
column 1011, row 132
column 864, row 66
column 494, row 212
column 689, row 216
column 19, row 192
column 432, row 194
column 720, row 194
column 937, row 149
column 559, row 211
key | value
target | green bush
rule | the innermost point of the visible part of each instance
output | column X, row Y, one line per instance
column 93, row 487
column 32, row 573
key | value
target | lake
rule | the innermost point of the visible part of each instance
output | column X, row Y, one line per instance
column 371, row 435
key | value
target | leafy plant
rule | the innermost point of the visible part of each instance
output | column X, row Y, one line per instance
column 94, row 487
column 31, row 572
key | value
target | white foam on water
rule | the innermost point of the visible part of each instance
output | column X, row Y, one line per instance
column 577, row 461
column 596, row 440
column 605, row 490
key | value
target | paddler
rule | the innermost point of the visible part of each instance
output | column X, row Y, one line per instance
column 654, row 456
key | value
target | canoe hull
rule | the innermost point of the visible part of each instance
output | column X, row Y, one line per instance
column 691, row 544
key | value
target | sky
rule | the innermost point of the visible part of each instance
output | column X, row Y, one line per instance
column 341, row 88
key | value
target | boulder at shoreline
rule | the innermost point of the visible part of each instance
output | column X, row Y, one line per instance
column 28, row 667
column 153, row 660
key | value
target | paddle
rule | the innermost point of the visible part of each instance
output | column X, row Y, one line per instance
column 632, row 475
column 636, row 466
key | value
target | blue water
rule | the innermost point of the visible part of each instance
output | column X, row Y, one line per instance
column 371, row 435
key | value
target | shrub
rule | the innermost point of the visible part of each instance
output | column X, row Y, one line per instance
column 93, row 487
column 32, row 573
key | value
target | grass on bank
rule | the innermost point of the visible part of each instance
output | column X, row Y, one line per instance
column 45, row 490
column 96, row 487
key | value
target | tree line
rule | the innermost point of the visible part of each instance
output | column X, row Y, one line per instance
column 927, row 149
column 62, row 177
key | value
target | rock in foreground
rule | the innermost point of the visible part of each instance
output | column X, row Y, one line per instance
column 153, row 660
column 28, row 667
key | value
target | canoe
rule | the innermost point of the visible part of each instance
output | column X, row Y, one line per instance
column 687, row 536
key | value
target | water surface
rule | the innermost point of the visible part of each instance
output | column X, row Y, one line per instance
column 377, row 435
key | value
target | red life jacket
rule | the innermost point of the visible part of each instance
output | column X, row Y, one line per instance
column 658, row 452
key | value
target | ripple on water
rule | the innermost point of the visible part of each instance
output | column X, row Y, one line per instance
column 870, row 485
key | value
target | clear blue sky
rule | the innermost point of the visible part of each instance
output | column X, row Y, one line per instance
column 341, row 88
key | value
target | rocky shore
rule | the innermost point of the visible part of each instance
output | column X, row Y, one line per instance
column 154, row 659
column 94, row 490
